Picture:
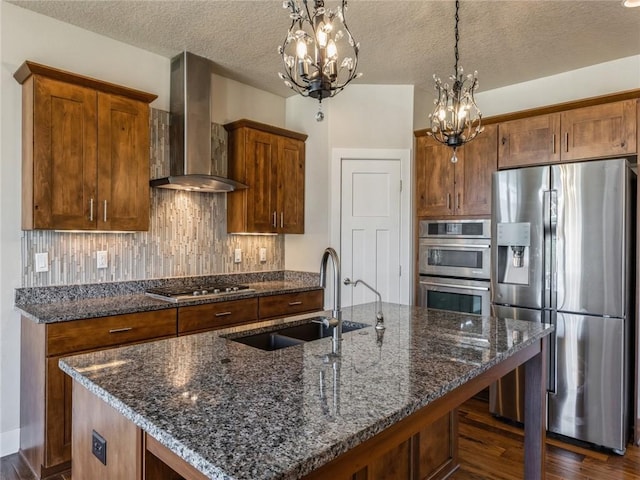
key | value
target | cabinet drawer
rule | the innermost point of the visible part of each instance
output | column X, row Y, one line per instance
column 216, row 315
column 291, row 303
column 78, row 335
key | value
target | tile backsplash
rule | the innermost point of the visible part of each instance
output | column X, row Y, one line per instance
column 187, row 235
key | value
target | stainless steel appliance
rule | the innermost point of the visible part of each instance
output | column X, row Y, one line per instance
column 177, row 294
column 455, row 265
column 563, row 252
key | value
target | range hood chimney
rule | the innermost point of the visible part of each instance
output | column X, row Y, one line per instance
column 192, row 167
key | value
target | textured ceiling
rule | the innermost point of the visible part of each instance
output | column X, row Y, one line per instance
column 402, row 41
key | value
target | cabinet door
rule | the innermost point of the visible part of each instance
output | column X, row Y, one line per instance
column 529, row 141
column 473, row 173
column 64, row 156
column 261, row 170
column 435, row 176
column 291, row 186
column 123, row 163
column 607, row 130
column 57, row 415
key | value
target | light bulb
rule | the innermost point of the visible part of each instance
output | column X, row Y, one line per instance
column 301, row 49
column 442, row 114
column 332, row 50
column 321, row 36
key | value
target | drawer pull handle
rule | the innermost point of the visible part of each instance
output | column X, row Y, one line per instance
column 222, row 314
column 292, row 304
column 120, row 330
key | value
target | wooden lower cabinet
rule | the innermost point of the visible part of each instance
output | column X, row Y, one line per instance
column 286, row 304
column 45, row 390
column 212, row 316
column 123, row 440
column 405, row 451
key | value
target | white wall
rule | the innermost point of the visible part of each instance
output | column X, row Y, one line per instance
column 27, row 35
column 362, row 116
column 231, row 100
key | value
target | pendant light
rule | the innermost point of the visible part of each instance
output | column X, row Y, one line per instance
column 456, row 118
column 311, row 51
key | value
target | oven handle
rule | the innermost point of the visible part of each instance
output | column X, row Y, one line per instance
column 457, row 245
column 452, row 285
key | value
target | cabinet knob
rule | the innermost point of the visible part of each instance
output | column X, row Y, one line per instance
column 504, row 140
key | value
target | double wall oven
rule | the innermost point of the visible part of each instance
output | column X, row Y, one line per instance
column 455, row 265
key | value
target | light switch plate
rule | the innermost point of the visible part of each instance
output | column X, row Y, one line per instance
column 42, row 262
column 102, row 259
column 263, row 254
column 237, row 255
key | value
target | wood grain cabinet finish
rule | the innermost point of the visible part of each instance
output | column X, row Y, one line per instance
column 598, row 131
column 406, row 451
column 46, row 408
column 212, row 316
column 85, row 162
column 290, row 304
column 463, row 188
column 271, row 162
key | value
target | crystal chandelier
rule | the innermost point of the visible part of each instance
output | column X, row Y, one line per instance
column 456, row 118
column 312, row 66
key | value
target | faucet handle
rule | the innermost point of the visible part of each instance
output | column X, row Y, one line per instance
column 326, row 322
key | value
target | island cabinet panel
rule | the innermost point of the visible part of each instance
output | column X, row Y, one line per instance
column 46, row 410
column 85, row 152
column 271, row 162
column 211, row 316
column 123, row 459
column 290, row 303
column 596, row 131
column 444, row 188
column 406, row 451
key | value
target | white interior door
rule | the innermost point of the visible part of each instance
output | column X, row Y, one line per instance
column 370, row 228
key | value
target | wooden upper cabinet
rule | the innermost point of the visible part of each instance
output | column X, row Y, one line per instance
column 463, row 188
column 529, row 141
column 479, row 161
column 606, row 130
column 85, row 160
column 598, row 131
column 270, row 161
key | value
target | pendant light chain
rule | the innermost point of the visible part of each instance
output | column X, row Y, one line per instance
column 457, row 37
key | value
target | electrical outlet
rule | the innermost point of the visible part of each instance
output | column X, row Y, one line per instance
column 42, row 262
column 99, row 447
column 263, row 254
column 102, row 259
column 237, row 255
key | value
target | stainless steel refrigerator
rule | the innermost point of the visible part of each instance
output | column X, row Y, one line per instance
column 563, row 253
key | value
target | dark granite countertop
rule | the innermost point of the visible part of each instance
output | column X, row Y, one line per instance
column 236, row 412
column 60, row 304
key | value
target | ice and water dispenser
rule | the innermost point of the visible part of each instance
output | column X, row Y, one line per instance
column 513, row 241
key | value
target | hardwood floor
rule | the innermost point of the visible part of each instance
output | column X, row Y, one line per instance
column 12, row 467
column 489, row 450
column 492, row 449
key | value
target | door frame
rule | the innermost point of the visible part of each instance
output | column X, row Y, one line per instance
column 335, row 193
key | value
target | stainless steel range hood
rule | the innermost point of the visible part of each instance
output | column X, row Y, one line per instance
column 192, row 167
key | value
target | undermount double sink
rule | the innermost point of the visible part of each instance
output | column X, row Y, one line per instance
column 295, row 335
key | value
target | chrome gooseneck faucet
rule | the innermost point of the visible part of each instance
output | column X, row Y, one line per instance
column 336, row 321
column 379, row 316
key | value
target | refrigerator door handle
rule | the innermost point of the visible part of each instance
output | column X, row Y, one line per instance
column 553, row 354
column 547, row 252
column 553, row 260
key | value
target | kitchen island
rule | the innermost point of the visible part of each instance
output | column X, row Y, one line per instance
column 208, row 405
